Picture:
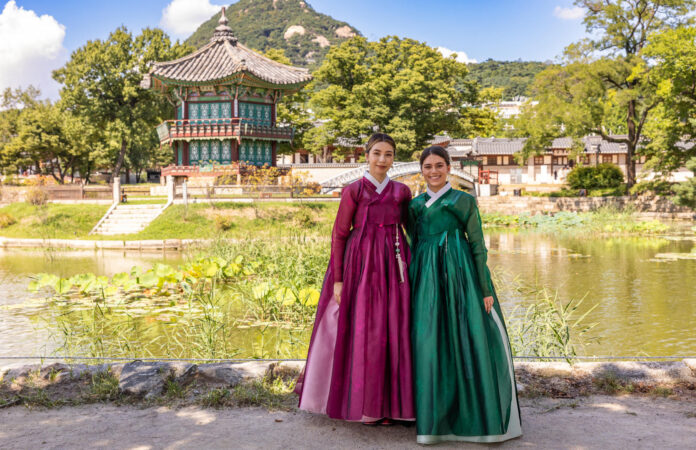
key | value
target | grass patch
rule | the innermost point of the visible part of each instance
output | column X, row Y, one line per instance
column 269, row 393
column 610, row 383
column 51, row 221
column 216, row 398
column 173, row 389
column 104, row 387
column 271, row 220
column 662, row 391
column 237, row 221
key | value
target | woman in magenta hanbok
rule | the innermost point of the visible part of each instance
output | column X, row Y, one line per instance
column 359, row 360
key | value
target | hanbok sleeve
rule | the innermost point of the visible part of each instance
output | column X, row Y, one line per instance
column 410, row 221
column 471, row 218
column 341, row 231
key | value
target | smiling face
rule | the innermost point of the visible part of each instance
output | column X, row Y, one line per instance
column 435, row 171
column 380, row 159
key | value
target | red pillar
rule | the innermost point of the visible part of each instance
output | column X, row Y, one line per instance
column 234, row 147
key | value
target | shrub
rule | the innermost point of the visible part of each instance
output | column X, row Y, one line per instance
column 598, row 177
column 36, row 196
column 657, row 187
column 224, row 223
column 11, row 180
column 304, row 218
column 686, row 191
column 6, row 220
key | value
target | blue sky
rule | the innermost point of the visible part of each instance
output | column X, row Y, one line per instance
column 37, row 36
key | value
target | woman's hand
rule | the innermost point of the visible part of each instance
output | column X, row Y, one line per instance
column 338, row 287
column 487, row 302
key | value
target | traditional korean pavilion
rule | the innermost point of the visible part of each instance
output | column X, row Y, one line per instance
column 226, row 97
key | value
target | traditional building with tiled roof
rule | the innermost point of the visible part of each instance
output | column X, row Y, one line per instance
column 498, row 155
column 226, row 97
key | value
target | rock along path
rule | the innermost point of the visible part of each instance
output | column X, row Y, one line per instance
column 605, row 422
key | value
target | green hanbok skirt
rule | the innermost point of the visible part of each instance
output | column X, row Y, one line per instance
column 463, row 374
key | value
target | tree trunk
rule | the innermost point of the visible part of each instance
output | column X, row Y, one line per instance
column 88, row 169
column 631, row 145
column 116, row 172
column 61, row 175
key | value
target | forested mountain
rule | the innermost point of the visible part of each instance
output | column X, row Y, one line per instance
column 514, row 76
column 291, row 25
column 306, row 36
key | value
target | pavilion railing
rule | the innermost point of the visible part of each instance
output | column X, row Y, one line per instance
column 237, row 128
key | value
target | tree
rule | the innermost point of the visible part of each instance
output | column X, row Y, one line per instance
column 686, row 191
column 603, row 79
column 514, row 77
column 12, row 103
column 478, row 119
column 101, row 85
column 397, row 86
column 42, row 141
column 672, row 133
column 292, row 109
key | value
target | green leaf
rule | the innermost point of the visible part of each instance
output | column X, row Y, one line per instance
column 148, row 280
column 33, row 286
column 120, row 279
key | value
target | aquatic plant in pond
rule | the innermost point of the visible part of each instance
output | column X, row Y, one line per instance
column 546, row 327
column 196, row 309
column 605, row 221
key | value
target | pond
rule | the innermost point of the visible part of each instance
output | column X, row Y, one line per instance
column 644, row 289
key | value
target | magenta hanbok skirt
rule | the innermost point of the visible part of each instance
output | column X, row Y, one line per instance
column 359, row 362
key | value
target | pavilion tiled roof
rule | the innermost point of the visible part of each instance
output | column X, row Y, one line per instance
column 223, row 57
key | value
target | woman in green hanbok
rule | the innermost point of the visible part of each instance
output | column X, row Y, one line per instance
column 463, row 375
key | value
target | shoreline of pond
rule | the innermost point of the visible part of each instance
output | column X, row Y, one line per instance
column 84, row 244
column 181, row 383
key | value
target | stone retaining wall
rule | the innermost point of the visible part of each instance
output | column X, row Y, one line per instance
column 147, row 379
column 658, row 207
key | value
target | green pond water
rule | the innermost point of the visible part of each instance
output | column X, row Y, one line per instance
column 645, row 289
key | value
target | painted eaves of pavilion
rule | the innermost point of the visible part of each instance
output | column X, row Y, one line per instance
column 226, row 97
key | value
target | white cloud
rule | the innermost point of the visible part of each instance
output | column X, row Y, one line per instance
column 182, row 17
column 31, row 46
column 569, row 13
column 460, row 56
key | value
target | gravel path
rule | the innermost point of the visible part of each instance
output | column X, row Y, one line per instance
column 591, row 422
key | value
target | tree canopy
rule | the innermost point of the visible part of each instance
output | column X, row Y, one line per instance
column 604, row 87
column 398, row 86
column 101, row 87
column 514, row 77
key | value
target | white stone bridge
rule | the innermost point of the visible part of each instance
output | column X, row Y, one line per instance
column 398, row 170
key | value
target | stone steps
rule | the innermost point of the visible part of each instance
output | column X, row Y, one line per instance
column 129, row 219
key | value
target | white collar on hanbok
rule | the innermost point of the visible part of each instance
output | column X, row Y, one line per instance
column 435, row 195
column 379, row 186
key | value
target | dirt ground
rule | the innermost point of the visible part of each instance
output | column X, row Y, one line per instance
column 601, row 422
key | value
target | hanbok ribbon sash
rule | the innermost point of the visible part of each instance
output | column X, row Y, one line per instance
column 463, row 343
